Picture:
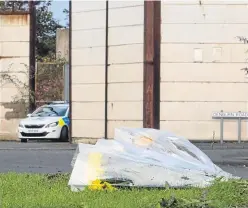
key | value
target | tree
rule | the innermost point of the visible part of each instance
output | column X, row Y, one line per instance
column 66, row 12
column 14, row 5
column 1, row 4
column 46, row 25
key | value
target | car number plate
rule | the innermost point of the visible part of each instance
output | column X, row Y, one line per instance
column 33, row 131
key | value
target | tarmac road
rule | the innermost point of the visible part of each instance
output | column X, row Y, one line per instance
column 50, row 157
column 45, row 157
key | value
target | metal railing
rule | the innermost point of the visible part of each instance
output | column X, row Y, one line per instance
column 239, row 116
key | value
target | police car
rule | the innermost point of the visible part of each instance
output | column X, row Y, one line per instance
column 50, row 121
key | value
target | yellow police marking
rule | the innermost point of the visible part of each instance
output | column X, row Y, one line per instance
column 61, row 122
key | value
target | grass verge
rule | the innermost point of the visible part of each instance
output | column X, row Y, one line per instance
column 51, row 191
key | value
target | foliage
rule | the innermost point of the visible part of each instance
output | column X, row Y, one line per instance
column 66, row 12
column 14, row 5
column 50, row 76
column 49, row 82
column 22, row 86
column 46, row 27
column 38, row 190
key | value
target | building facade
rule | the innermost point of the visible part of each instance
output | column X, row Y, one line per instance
column 14, row 62
column 200, row 60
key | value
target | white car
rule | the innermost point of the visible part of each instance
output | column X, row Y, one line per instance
column 50, row 121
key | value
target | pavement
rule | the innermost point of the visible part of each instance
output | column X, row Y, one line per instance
column 51, row 157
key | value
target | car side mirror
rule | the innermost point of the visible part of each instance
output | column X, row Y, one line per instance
column 29, row 115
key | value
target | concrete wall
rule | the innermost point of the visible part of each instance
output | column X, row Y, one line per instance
column 125, row 79
column 125, row 88
column 62, row 43
column 201, row 59
column 88, row 58
column 14, row 55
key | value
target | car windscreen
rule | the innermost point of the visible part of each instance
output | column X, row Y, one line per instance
column 50, row 111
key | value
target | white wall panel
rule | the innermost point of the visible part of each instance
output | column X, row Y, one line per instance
column 10, row 34
column 8, row 129
column 14, row 61
column 197, row 111
column 88, row 56
column 123, row 4
column 87, row 128
column 128, row 34
column 221, row 53
column 117, row 124
column 125, row 92
column 177, row 91
column 125, row 73
column 131, row 111
column 202, row 14
column 88, row 38
column 126, row 54
column 88, row 92
column 14, row 49
column 88, row 68
column 202, row 33
column 7, row 94
column 201, row 58
column 204, row 130
column 89, row 20
column 88, row 110
column 23, row 77
column 86, row 6
column 16, row 64
column 88, row 74
column 126, row 16
column 202, row 72
column 205, row 2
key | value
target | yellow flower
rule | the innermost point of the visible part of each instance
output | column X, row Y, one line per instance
column 100, row 185
column 96, row 185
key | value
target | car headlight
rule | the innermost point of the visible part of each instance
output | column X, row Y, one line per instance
column 52, row 124
column 21, row 125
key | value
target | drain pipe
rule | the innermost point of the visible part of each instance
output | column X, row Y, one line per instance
column 32, row 61
column 106, row 72
column 70, row 69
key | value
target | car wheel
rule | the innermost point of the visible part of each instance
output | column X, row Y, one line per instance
column 24, row 140
column 64, row 135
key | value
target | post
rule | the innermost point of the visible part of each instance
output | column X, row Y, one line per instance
column 239, row 129
column 221, row 128
column 233, row 116
column 32, row 62
column 106, row 71
column 66, row 82
column 70, row 68
column 152, row 40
